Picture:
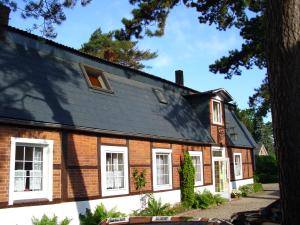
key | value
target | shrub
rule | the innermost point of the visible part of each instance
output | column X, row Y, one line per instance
column 266, row 169
column 155, row 208
column 139, row 179
column 206, row 199
column 99, row 215
column 236, row 193
column 250, row 188
column 187, row 175
column 45, row 220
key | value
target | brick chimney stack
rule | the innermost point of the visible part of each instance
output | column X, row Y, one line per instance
column 179, row 77
column 4, row 15
column 109, row 55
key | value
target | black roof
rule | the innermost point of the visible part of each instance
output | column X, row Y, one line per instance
column 42, row 81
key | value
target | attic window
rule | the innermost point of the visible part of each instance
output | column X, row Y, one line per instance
column 96, row 78
column 160, row 96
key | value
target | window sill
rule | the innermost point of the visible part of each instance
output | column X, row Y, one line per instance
column 106, row 193
column 162, row 187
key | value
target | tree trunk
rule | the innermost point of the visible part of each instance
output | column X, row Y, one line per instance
column 283, row 57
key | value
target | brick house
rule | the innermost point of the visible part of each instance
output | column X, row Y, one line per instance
column 73, row 128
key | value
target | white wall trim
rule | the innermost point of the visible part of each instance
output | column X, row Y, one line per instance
column 157, row 187
column 47, row 170
column 198, row 154
column 113, row 149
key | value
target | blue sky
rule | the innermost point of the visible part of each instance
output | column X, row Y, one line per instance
column 186, row 45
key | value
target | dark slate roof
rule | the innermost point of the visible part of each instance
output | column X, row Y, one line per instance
column 44, row 83
column 244, row 138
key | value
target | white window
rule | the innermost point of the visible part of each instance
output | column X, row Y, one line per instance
column 218, row 152
column 198, row 164
column 31, row 169
column 162, row 169
column 237, row 160
column 217, row 112
column 114, row 170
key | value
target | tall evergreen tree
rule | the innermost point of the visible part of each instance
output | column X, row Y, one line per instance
column 124, row 52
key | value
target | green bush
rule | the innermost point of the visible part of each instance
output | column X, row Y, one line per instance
column 187, row 178
column 155, row 208
column 266, row 169
column 206, row 199
column 45, row 220
column 99, row 215
column 250, row 188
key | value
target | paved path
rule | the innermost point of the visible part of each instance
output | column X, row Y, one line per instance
column 253, row 202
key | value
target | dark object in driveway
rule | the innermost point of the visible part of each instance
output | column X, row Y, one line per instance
column 270, row 215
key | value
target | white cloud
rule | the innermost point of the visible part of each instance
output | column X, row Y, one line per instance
column 161, row 61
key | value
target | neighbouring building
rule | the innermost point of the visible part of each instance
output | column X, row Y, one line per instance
column 73, row 128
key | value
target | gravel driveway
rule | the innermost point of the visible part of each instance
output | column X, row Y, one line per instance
column 253, row 202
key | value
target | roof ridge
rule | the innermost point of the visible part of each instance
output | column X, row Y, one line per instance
column 75, row 51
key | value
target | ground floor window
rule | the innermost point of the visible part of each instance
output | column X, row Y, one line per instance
column 237, row 160
column 114, row 170
column 162, row 169
column 31, row 169
column 198, row 164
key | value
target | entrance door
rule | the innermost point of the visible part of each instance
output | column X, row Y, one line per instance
column 221, row 176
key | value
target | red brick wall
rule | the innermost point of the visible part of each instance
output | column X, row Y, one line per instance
column 246, row 159
column 82, row 169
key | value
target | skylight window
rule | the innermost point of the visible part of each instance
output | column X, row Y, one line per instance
column 96, row 78
column 160, row 96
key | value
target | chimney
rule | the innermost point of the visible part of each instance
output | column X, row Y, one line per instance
column 109, row 55
column 179, row 77
column 4, row 15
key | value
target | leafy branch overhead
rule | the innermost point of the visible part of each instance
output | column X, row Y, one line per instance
column 124, row 52
column 47, row 13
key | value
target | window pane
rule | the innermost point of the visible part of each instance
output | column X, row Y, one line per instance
column 216, row 112
column 162, row 169
column 28, row 169
column 19, row 153
column 28, row 153
column 115, row 171
column 217, row 153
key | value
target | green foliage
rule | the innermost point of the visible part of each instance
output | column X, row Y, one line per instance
column 139, row 179
column 100, row 214
column 236, row 193
column 250, row 188
column 124, row 52
column 45, row 220
column 187, row 180
column 261, row 131
column 206, row 199
column 266, row 169
column 155, row 208
column 47, row 14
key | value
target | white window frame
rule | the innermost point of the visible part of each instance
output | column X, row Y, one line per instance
column 157, row 187
column 198, row 154
column 215, row 148
column 113, row 149
column 221, row 114
column 241, row 162
column 47, row 192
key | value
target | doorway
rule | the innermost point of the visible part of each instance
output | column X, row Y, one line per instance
column 220, row 172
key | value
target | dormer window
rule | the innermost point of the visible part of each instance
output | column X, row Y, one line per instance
column 217, row 112
column 160, row 96
column 95, row 78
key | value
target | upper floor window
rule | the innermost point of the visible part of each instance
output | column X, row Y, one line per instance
column 114, row 170
column 96, row 78
column 198, row 164
column 162, row 169
column 30, row 169
column 237, row 160
column 217, row 112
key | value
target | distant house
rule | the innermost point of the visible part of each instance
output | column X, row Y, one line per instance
column 73, row 128
column 260, row 150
